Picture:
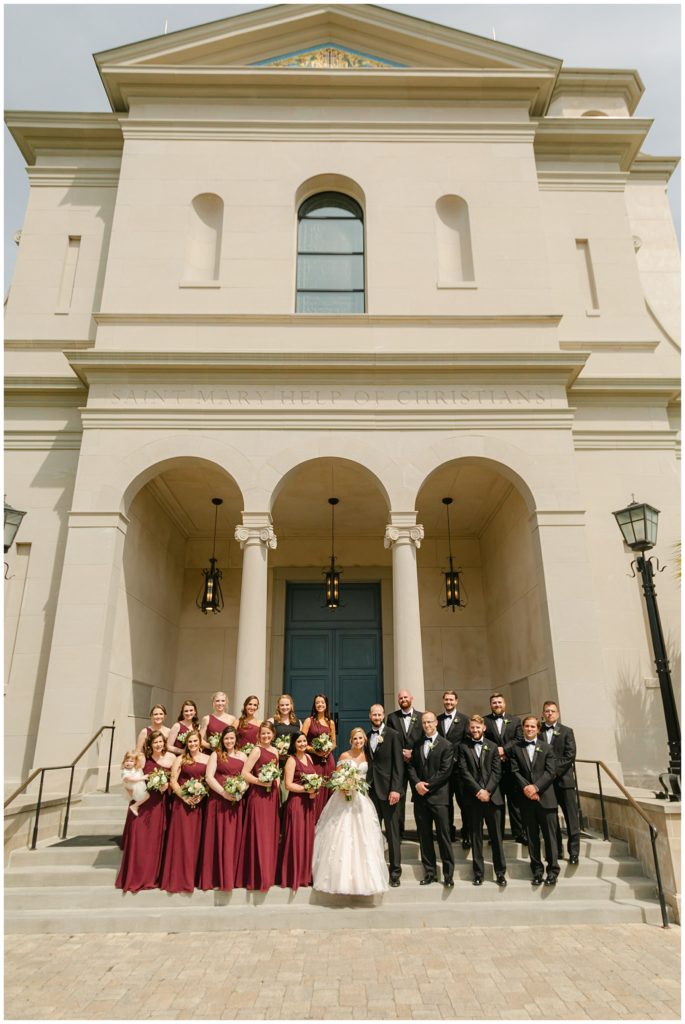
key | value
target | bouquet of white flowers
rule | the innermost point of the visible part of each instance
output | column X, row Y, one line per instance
column 236, row 786
column 282, row 745
column 312, row 783
column 182, row 737
column 157, row 780
column 347, row 779
column 269, row 772
column 322, row 745
column 214, row 739
column 194, row 787
column 247, row 748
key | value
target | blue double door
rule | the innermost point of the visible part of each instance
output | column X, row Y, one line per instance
column 334, row 652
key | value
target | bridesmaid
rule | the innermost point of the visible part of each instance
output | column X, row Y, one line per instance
column 215, row 722
column 248, row 726
column 222, row 838
column 261, row 828
column 143, row 839
column 157, row 716
column 295, row 860
column 187, row 722
column 285, row 720
column 182, row 851
column 320, row 723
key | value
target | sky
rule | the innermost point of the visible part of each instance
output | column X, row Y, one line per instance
column 49, row 64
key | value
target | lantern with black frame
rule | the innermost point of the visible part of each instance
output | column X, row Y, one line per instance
column 455, row 592
column 210, row 598
column 13, row 518
column 332, row 574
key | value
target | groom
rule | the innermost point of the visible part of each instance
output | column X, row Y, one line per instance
column 386, row 771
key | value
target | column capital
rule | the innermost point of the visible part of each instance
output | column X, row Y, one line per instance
column 413, row 534
column 256, row 527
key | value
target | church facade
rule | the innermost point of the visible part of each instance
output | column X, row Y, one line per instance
column 323, row 252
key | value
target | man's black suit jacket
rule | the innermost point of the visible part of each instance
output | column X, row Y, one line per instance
column 564, row 750
column 481, row 773
column 512, row 730
column 435, row 770
column 386, row 767
column 457, row 732
column 413, row 734
column 541, row 772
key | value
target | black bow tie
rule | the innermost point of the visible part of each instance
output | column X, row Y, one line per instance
column 498, row 718
column 406, row 714
column 531, row 743
column 376, row 731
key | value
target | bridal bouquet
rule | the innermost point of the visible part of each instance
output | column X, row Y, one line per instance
column 282, row 745
column 347, row 779
column 312, row 783
column 322, row 745
column 214, row 739
column 236, row 786
column 157, row 780
column 194, row 787
column 269, row 772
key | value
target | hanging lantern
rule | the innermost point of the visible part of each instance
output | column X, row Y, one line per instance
column 13, row 518
column 332, row 574
column 454, row 596
column 210, row 598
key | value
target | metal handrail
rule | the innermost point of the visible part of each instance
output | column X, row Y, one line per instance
column 57, row 768
column 653, row 831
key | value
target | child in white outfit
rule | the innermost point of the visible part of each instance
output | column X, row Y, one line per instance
column 133, row 779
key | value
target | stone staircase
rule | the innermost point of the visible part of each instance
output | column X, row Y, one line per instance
column 69, row 888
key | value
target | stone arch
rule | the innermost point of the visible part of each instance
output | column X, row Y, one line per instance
column 330, row 182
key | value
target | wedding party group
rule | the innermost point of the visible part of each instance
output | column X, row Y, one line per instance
column 224, row 802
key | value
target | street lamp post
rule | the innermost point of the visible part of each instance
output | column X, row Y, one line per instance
column 638, row 523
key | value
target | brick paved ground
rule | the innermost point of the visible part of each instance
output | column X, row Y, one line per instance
column 625, row 972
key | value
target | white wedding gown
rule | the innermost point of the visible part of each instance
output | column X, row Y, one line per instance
column 348, row 847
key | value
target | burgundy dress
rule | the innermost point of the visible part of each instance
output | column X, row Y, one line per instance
column 324, row 766
column 215, row 725
column 143, row 842
column 260, row 831
column 184, row 835
column 248, row 733
column 295, row 860
column 223, row 833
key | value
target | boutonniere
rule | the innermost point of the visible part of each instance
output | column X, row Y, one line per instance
column 485, row 746
column 380, row 740
column 506, row 721
column 555, row 732
column 538, row 750
column 413, row 720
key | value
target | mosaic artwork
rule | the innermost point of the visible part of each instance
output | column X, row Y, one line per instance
column 328, row 56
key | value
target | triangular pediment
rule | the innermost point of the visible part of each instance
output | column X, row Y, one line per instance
column 354, row 36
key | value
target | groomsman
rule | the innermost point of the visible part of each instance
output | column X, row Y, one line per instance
column 480, row 770
column 563, row 743
column 533, row 770
column 504, row 729
column 429, row 773
column 407, row 722
column 386, row 772
column 455, row 728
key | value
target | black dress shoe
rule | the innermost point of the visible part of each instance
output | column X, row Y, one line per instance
column 427, row 880
column 453, row 835
column 501, row 881
column 521, row 839
column 551, row 880
column 394, row 883
column 537, row 880
column 466, row 844
column 477, row 881
column 573, row 859
column 448, row 882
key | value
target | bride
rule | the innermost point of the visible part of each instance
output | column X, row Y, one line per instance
column 348, row 845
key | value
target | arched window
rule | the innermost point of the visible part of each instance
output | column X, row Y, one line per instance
column 330, row 255
column 203, row 251
column 455, row 254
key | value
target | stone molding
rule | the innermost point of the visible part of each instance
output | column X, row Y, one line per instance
column 264, row 534
column 393, row 534
column 68, row 177
column 98, row 520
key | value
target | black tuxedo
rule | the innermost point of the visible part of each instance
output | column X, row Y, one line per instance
column 476, row 773
column 456, row 734
column 385, row 776
column 511, row 731
column 537, row 814
column 414, row 733
column 431, row 809
column 564, row 750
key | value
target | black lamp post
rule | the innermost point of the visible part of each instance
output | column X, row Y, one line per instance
column 13, row 518
column 638, row 523
column 454, row 596
column 210, row 598
column 332, row 574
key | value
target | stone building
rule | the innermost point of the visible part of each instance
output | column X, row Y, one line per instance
column 335, row 251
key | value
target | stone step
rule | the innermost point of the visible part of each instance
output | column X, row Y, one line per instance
column 101, row 866
column 96, row 897
column 367, row 913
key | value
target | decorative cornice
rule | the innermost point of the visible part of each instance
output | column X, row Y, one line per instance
column 577, row 137
column 42, row 440
column 46, row 345
column 67, row 177
column 619, row 345
column 665, row 388
column 637, row 440
column 35, row 131
column 403, row 535
column 308, row 320
column 653, row 168
column 581, row 181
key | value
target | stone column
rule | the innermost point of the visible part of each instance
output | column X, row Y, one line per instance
column 75, row 702
column 256, row 537
column 404, row 536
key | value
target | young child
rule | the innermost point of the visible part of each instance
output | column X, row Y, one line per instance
column 134, row 780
